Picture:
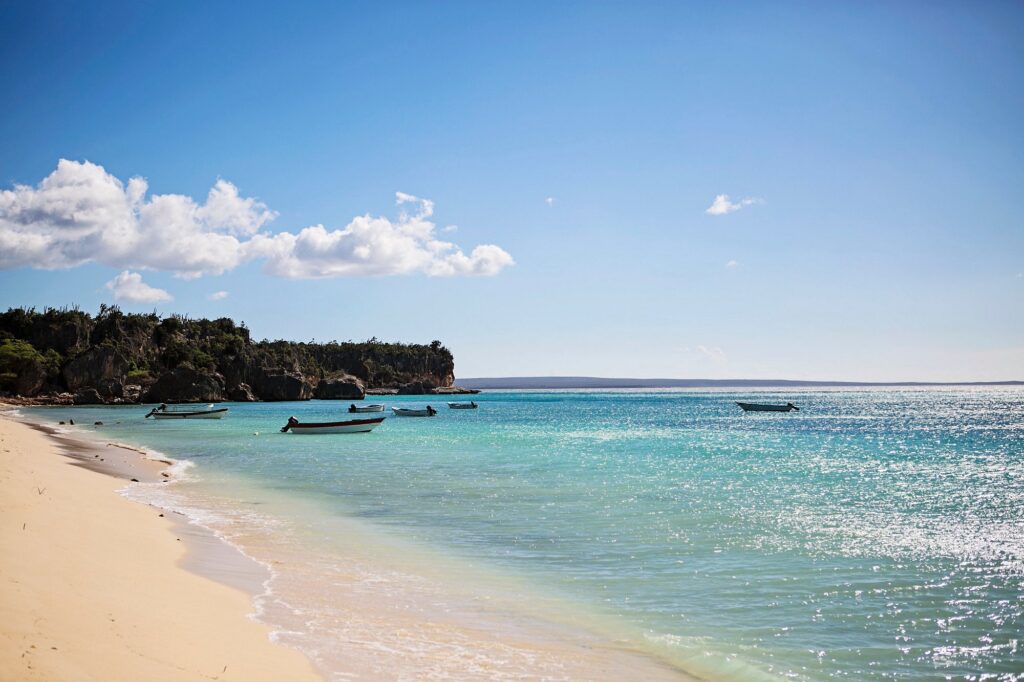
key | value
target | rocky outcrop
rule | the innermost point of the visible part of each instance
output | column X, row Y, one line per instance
column 455, row 390
column 277, row 384
column 185, row 384
column 132, row 393
column 98, row 364
column 241, row 393
column 88, row 396
column 416, row 388
column 178, row 358
column 342, row 387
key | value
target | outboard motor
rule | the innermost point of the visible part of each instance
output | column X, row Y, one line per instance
column 292, row 421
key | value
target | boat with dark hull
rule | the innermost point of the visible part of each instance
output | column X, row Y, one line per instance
column 471, row 405
column 428, row 411
column 758, row 407
column 178, row 412
column 350, row 426
column 365, row 408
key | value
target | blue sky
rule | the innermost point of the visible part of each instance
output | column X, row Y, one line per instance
column 880, row 146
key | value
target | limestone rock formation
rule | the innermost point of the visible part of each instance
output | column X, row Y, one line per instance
column 184, row 384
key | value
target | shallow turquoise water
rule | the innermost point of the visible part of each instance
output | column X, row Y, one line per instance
column 873, row 535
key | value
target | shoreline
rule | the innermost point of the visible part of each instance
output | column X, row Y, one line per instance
column 538, row 649
column 94, row 585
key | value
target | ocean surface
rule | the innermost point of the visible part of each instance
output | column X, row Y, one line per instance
column 874, row 535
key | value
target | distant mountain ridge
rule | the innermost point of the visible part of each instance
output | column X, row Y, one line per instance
column 607, row 382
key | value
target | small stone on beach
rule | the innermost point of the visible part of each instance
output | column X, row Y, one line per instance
column 135, row 480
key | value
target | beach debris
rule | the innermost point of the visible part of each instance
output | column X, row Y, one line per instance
column 40, row 490
column 71, row 422
column 97, row 423
column 165, row 474
column 161, row 516
column 135, row 480
column 61, row 423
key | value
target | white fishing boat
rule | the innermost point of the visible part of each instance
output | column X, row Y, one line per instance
column 350, row 426
column 463, row 406
column 428, row 411
column 757, row 407
column 365, row 408
column 186, row 412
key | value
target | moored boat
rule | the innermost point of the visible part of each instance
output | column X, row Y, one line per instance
column 365, row 408
column 409, row 412
column 350, row 426
column 178, row 412
column 758, row 407
column 471, row 405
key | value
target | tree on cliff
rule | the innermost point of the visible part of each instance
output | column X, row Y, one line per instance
column 122, row 356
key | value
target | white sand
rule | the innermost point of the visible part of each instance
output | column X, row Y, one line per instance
column 91, row 586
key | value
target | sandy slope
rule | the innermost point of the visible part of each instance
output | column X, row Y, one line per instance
column 91, row 589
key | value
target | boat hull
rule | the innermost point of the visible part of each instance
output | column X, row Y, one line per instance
column 205, row 414
column 366, row 408
column 754, row 407
column 405, row 412
column 462, row 406
column 352, row 426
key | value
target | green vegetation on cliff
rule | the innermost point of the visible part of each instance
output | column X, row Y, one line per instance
column 125, row 357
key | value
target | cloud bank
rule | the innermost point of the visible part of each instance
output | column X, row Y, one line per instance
column 80, row 213
column 722, row 205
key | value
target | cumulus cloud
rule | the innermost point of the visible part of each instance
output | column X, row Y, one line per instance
column 217, row 296
column 722, row 205
column 550, row 201
column 371, row 245
column 732, row 264
column 80, row 213
column 129, row 287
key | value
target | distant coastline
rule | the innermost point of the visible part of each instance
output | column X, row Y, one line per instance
column 611, row 382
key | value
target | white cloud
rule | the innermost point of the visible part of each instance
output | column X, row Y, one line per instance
column 450, row 228
column 722, row 205
column 233, row 213
column 80, row 213
column 713, row 353
column 217, row 296
column 732, row 264
column 550, row 201
column 129, row 287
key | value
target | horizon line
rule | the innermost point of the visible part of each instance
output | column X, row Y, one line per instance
column 583, row 381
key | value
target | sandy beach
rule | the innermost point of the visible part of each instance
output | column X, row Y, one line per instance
column 92, row 586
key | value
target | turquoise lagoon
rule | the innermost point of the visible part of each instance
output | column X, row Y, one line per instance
column 874, row 535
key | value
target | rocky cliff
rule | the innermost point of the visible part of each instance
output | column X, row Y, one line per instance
column 114, row 357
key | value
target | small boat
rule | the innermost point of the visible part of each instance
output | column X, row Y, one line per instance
column 365, row 408
column 179, row 412
column 471, row 405
column 409, row 412
column 350, row 426
column 757, row 407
